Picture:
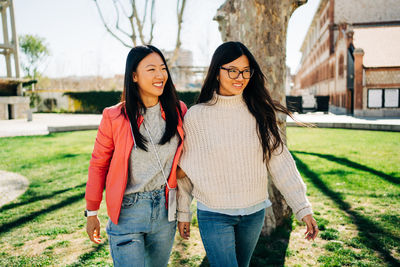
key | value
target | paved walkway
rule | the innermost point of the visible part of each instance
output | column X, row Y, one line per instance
column 12, row 185
column 43, row 123
column 330, row 120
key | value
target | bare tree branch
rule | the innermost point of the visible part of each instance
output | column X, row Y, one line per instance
column 145, row 11
column 152, row 21
column 123, row 9
column 108, row 28
column 138, row 22
column 180, row 7
column 117, row 22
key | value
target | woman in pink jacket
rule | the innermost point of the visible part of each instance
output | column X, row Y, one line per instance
column 135, row 157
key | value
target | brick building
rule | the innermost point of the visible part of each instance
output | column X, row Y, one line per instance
column 351, row 53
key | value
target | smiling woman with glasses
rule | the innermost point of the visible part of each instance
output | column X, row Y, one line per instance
column 232, row 141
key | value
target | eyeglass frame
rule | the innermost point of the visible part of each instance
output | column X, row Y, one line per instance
column 240, row 72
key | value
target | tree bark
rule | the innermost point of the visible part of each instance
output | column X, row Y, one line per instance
column 261, row 25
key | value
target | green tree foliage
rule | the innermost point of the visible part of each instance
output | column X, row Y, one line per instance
column 35, row 51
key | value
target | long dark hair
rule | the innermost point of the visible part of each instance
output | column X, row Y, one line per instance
column 256, row 95
column 133, row 104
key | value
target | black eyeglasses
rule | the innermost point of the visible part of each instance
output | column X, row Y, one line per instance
column 234, row 73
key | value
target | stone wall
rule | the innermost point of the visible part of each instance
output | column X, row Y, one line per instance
column 19, row 107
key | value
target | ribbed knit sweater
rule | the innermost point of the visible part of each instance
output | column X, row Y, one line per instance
column 223, row 160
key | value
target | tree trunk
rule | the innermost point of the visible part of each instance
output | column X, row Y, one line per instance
column 261, row 25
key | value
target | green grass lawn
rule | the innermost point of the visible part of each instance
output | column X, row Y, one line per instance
column 353, row 180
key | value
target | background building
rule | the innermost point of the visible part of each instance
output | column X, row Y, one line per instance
column 12, row 104
column 350, row 53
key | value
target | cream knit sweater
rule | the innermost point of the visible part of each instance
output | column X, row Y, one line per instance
column 223, row 160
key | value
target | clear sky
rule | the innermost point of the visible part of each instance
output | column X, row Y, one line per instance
column 81, row 46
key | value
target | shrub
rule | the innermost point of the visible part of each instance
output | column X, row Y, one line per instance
column 96, row 101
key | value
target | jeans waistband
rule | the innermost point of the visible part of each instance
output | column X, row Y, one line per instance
column 147, row 195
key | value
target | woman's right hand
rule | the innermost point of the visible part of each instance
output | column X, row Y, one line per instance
column 93, row 229
column 184, row 229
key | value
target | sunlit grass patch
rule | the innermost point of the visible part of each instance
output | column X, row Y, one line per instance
column 353, row 181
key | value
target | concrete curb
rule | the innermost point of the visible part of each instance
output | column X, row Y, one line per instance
column 57, row 129
column 354, row 126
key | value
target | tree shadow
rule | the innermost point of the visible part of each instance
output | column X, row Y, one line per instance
column 205, row 262
column 86, row 258
column 271, row 250
column 352, row 164
column 370, row 232
column 4, row 228
column 32, row 199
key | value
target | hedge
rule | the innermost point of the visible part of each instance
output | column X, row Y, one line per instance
column 96, row 101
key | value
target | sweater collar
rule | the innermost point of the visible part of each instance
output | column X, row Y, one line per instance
column 228, row 101
column 141, row 118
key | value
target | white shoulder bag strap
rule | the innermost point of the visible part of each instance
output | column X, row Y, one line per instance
column 171, row 191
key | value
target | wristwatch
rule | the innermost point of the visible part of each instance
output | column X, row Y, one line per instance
column 89, row 213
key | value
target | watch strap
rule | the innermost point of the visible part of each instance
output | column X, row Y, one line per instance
column 89, row 213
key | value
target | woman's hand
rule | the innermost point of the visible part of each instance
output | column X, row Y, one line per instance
column 312, row 227
column 180, row 173
column 93, row 229
column 184, row 229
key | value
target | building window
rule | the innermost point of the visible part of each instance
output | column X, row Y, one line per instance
column 383, row 98
column 391, row 98
column 341, row 63
column 375, row 98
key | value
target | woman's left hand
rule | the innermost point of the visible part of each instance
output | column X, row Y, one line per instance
column 312, row 227
column 180, row 173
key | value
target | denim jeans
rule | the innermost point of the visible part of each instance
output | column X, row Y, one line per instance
column 143, row 235
column 229, row 240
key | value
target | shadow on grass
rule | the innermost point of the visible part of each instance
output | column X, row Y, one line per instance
column 4, row 228
column 32, row 199
column 271, row 250
column 87, row 258
column 205, row 262
column 355, row 165
column 370, row 233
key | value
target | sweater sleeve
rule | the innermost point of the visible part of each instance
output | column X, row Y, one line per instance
column 287, row 179
column 184, row 199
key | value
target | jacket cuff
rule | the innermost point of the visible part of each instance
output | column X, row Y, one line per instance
column 92, row 205
column 184, row 216
column 303, row 212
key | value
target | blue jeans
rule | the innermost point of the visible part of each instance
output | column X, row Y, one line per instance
column 143, row 235
column 229, row 240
